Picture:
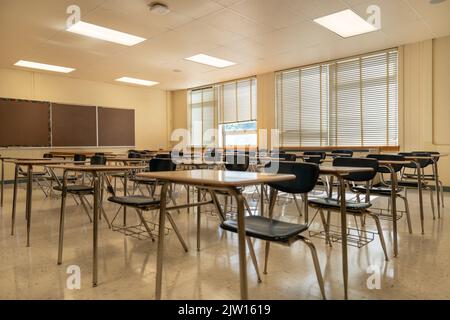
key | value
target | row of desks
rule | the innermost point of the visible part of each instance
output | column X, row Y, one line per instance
column 205, row 179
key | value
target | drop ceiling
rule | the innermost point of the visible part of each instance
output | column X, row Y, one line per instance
column 259, row 35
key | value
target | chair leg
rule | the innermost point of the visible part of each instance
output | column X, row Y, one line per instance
column 177, row 232
column 325, row 227
column 312, row 248
column 253, row 256
column 380, row 234
column 266, row 256
column 248, row 207
column 298, row 206
column 432, row 203
column 408, row 216
column 141, row 217
column 442, row 192
column 85, row 208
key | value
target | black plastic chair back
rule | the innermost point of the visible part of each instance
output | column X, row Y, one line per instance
column 165, row 155
column 79, row 157
column 99, row 153
column 98, row 160
column 423, row 162
column 316, row 160
column 47, row 156
column 237, row 161
column 161, row 164
column 358, row 162
column 134, row 155
column 388, row 157
column 287, row 157
column 435, row 154
column 342, row 153
column 306, row 175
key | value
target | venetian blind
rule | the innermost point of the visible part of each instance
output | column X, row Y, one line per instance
column 202, row 108
column 349, row 102
column 237, row 101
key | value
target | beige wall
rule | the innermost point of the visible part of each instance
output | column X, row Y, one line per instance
column 150, row 104
column 424, row 100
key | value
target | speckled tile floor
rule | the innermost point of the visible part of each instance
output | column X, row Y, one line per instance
column 127, row 265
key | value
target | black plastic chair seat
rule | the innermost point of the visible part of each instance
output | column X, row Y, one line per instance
column 376, row 190
column 142, row 180
column 410, row 184
column 428, row 177
column 134, row 201
column 336, row 204
column 266, row 229
column 76, row 189
column 35, row 174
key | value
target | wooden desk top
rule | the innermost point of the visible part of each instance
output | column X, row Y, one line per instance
column 336, row 170
column 393, row 162
column 125, row 159
column 44, row 162
column 94, row 168
column 216, row 178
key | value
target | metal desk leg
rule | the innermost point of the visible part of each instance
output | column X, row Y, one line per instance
column 62, row 217
column 262, row 201
column 344, row 235
column 394, row 207
column 419, row 185
column 14, row 204
column 199, row 217
column 125, row 182
column 2, row 182
column 160, row 254
column 241, row 237
column 95, row 230
column 29, row 200
column 438, row 193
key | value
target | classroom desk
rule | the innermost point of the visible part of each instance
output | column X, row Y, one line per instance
column 71, row 154
column 340, row 173
column 389, row 165
column 29, row 164
column 420, row 174
column 212, row 180
column 95, row 171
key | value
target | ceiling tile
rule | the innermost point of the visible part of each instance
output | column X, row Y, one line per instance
column 273, row 13
column 314, row 9
column 233, row 22
column 436, row 16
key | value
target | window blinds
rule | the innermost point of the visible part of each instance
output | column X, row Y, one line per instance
column 237, row 101
column 202, row 116
column 222, row 103
column 349, row 102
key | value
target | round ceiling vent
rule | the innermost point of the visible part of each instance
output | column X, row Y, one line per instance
column 436, row 1
column 159, row 8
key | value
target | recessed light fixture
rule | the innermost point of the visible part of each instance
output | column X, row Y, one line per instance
column 210, row 61
column 98, row 32
column 436, row 1
column 159, row 8
column 345, row 23
column 42, row 66
column 141, row 82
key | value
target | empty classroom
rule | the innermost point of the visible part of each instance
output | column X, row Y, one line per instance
column 224, row 150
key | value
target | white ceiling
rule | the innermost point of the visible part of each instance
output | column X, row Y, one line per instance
column 259, row 35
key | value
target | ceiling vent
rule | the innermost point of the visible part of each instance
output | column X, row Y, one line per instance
column 159, row 8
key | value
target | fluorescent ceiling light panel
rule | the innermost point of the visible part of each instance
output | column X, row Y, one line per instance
column 141, row 82
column 42, row 66
column 345, row 23
column 98, row 32
column 210, row 61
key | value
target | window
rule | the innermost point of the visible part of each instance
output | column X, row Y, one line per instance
column 202, row 116
column 349, row 102
column 230, row 107
column 237, row 113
